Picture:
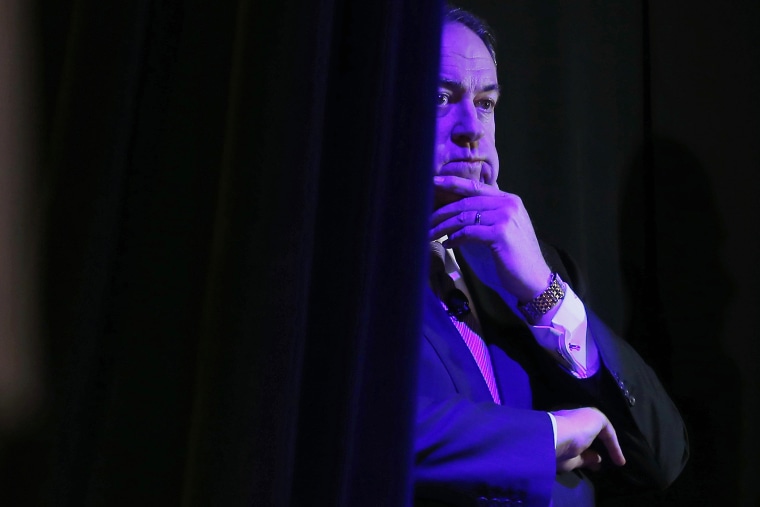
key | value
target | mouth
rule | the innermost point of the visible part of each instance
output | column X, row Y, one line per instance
column 467, row 160
column 470, row 168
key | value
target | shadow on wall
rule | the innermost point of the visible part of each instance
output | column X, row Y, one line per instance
column 677, row 293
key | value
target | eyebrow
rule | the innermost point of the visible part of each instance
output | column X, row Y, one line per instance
column 457, row 85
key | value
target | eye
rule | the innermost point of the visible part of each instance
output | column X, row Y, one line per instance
column 442, row 99
column 486, row 105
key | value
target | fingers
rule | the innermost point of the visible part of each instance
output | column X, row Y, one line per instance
column 467, row 222
column 495, row 233
column 472, row 203
column 504, row 209
column 472, row 198
column 454, row 195
column 589, row 459
column 576, row 431
column 609, row 438
column 477, row 234
column 463, row 217
column 464, row 187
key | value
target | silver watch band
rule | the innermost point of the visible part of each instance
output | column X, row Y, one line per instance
column 548, row 299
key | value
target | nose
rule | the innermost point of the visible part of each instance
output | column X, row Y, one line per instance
column 468, row 128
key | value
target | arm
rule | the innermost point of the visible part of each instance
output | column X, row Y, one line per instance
column 652, row 428
column 465, row 445
column 649, row 427
column 502, row 251
column 470, row 450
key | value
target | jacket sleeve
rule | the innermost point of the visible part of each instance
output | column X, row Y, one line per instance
column 467, row 450
column 465, row 446
column 650, row 429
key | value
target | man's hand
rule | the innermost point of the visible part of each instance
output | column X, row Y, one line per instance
column 495, row 234
column 576, row 430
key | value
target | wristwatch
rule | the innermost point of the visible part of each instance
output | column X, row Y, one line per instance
column 548, row 299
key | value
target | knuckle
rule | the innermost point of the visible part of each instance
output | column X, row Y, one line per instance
column 500, row 228
column 513, row 204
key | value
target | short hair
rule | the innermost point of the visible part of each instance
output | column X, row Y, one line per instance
column 452, row 14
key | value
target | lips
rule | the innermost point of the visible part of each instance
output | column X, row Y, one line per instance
column 470, row 168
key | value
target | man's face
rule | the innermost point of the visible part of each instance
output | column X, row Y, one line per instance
column 467, row 94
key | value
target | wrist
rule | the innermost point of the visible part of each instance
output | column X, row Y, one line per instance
column 536, row 309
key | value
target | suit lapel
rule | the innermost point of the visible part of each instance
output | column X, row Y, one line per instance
column 451, row 348
column 506, row 336
column 511, row 378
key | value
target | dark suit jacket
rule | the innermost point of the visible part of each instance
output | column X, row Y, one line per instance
column 469, row 451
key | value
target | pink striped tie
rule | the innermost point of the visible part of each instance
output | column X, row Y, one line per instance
column 467, row 325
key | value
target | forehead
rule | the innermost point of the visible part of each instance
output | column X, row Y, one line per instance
column 464, row 57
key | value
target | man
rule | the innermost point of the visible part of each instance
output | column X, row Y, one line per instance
column 524, row 396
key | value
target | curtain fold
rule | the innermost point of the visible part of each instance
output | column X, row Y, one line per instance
column 235, row 246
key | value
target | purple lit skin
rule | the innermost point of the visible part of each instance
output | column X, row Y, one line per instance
column 501, row 247
column 468, row 91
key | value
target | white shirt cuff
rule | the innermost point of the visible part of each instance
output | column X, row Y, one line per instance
column 567, row 339
column 554, row 428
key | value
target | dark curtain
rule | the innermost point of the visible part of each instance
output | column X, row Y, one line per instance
column 234, row 200
column 235, row 207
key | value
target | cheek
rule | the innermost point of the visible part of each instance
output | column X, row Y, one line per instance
column 493, row 156
column 491, row 131
column 442, row 130
column 441, row 145
column 494, row 169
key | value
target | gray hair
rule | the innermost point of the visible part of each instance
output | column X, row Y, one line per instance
column 453, row 14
